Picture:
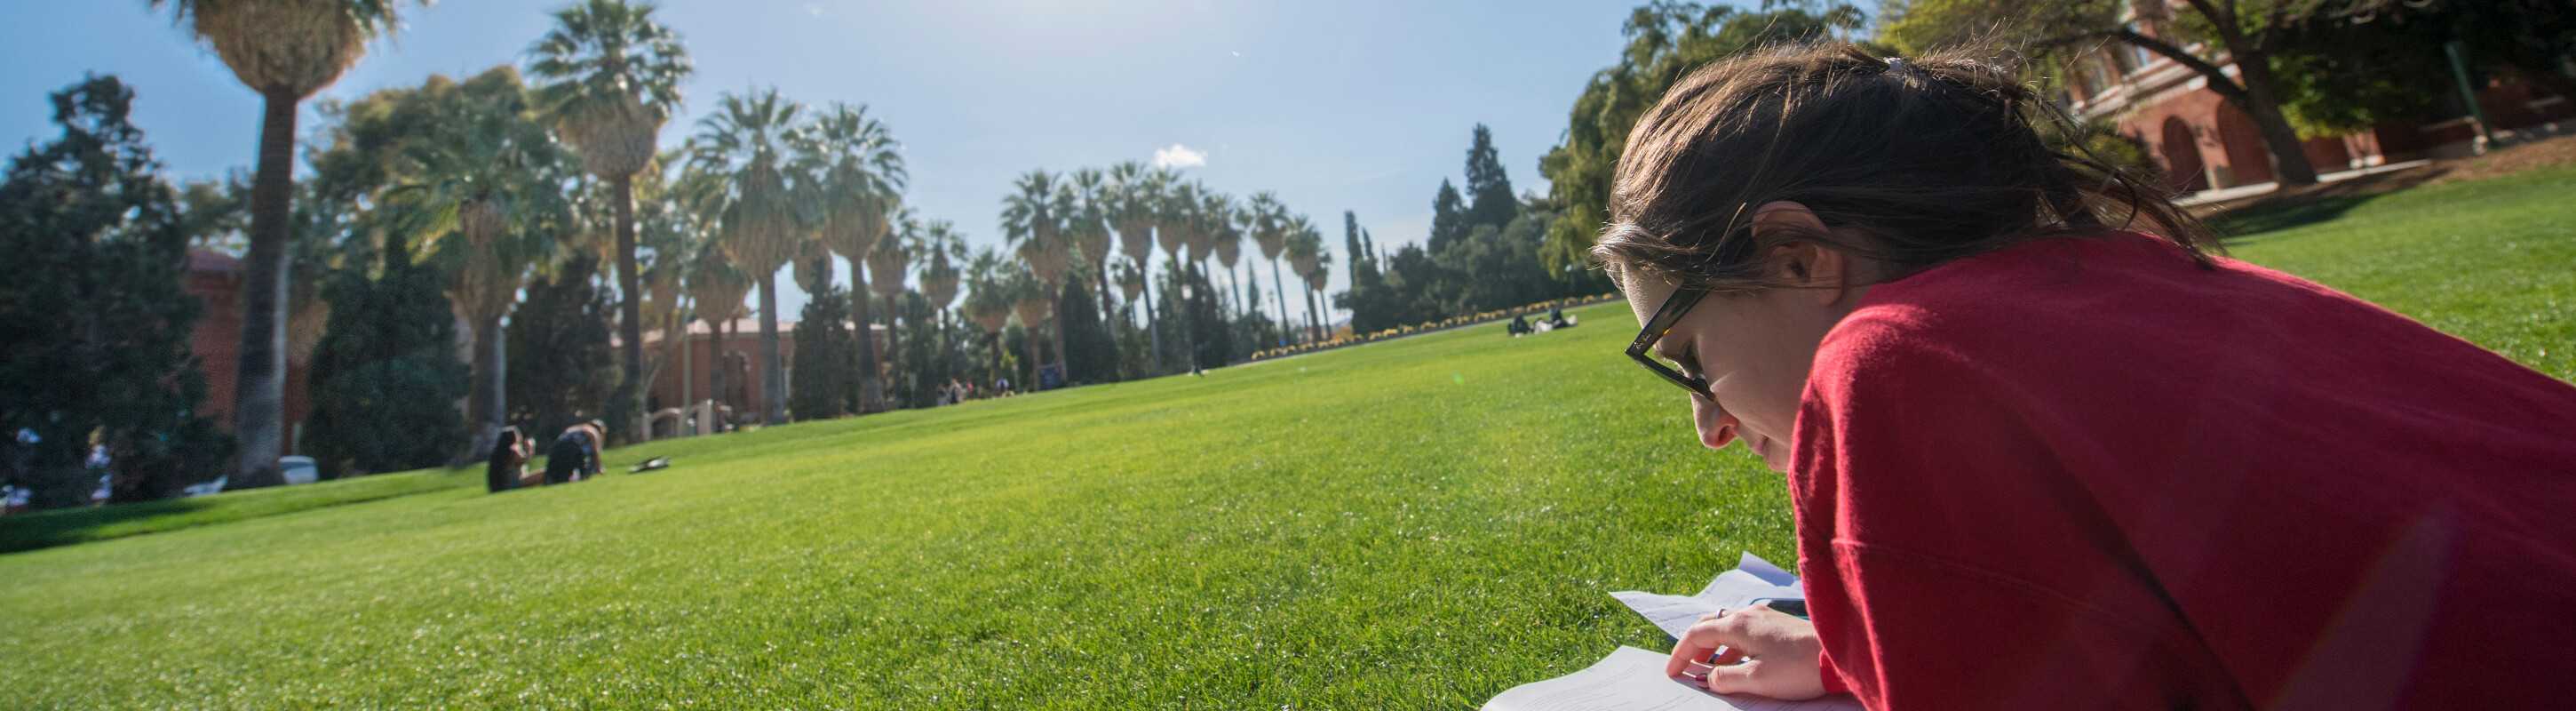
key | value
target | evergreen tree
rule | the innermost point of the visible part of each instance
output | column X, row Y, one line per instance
column 94, row 322
column 1489, row 190
column 1089, row 349
column 1448, row 217
column 385, row 378
column 824, row 346
column 561, row 369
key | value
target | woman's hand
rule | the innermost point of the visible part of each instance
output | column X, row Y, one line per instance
column 1768, row 653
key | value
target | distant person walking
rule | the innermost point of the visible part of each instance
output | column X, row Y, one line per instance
column 575, row 455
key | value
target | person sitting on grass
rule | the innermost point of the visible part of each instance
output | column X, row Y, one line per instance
column 508, row 467
column 2044, row 446
column 575, row 455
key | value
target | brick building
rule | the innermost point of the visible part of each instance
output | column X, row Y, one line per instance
column 2203, row 142
column 215, row 278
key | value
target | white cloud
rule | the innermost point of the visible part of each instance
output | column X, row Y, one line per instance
column 1179, row 156
column 814, row 8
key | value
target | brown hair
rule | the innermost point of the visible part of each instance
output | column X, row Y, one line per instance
column 1923, row 160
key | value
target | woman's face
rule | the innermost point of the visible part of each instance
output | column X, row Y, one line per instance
column 1755, row 349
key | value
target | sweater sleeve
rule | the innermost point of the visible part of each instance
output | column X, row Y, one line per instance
column 1949, row 562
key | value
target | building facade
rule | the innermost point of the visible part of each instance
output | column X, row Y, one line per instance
column 2204, row 142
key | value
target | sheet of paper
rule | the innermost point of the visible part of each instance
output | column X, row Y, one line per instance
column 1753, row 581
column 1632, row 678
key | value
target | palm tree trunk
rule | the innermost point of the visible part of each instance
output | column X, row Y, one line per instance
column 1103, row 281
column 259, row 395
column 1189, row 336
column 630, row 315
column 1030, row 339
column 1062, row 371
column 716, row 365
column 993, row 372
column 773, row 379
column 893, row 354
column 871, row 392
column 487, row 402
column 1242, row 299
column 1153, row 331
column 1314, row 326
column 1279, row 292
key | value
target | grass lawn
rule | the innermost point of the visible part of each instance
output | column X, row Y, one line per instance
column 1418, row 523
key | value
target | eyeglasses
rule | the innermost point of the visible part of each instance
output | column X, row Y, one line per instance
column 1643, row 349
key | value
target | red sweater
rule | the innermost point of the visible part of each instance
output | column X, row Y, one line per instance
column 2087, row 473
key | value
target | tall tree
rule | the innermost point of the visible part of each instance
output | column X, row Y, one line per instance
column 1665, row 41
column 285, row 51
column 1033, row 221
column 1136, row 200
column 1449, row 220
column 94, row 319
column 1029, row 301
column 745, row 140
column 2247, row 32
column 1225, row 237
column 989, row 302
column 1489, row 187
column 717, row 289
column 612, row 77
column 1270, row 231
column 385, row 380
column 1088, row 224
column 857, row 181
column 1313, row 266
column 485, row 173
column 889, row 266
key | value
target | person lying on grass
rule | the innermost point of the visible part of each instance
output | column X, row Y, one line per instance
column 2045, row 448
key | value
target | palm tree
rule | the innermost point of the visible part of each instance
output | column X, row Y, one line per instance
column 1033, row 222
column 1269, row 223
column 613, row 78
column 945, row 248
column 1030, row 302
column 858, row 181
column 672, row 236
column 745, row 141
column 1176, row 228
column 487, row 172
column 1088, row 225
column 1229, row 252
column 285, row 51
column 717, row 288
column 887, row 265
column 989, row 301
column 1135, row 199
column 1217, row 232
column 1314, row 267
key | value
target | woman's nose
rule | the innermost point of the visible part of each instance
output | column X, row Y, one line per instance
column 1716, row 427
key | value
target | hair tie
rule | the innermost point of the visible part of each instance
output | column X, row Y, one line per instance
column 1897, row 64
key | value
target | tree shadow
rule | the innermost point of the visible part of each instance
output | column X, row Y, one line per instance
column 2233, row 221
column 46, row 529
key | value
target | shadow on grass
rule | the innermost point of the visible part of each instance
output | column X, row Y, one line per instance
column 47, row 529
column 2308, row 206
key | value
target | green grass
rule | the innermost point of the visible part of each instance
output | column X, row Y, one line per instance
column 1418, row 523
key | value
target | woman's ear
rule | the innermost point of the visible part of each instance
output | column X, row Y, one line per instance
column 1800, row 260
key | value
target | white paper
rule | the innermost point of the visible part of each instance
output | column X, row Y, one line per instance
column 1632, row 678
column 1752, row 582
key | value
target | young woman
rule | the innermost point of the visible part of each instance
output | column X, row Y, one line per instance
column 508, row 467
column 2045, row 448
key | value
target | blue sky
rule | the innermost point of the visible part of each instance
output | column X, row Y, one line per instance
column 1336, row 105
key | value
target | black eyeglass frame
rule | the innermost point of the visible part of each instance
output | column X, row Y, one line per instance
column 1666, row 316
